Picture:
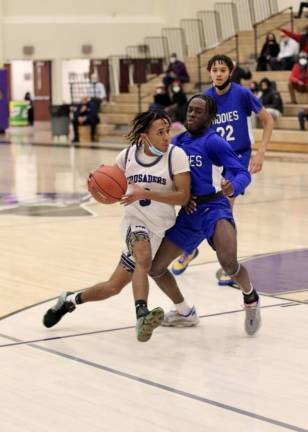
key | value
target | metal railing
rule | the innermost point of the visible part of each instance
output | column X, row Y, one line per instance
column 176, row 41
column 231, row 52
column 262, row 9
column 158, row 47
column 228, row 18
column 211, row 27
column 259, row 34
column 194, row 35
column 137, row 51
column 244, row 14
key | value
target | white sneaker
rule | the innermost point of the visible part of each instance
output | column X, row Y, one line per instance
column 174, row 319
column 253, row 318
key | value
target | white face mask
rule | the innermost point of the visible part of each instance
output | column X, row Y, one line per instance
column 302, row 61
column 172, row 59
column 159, row 91
column 176, row 89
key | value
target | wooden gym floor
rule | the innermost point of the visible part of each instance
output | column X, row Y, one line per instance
column 89, row 373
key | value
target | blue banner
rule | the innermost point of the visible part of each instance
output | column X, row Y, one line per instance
column 4, row 102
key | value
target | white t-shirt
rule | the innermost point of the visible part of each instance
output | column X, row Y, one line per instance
column 154, row 173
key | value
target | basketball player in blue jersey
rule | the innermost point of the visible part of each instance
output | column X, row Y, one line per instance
column 235, row 105
column 158, row 179
column 209, row 218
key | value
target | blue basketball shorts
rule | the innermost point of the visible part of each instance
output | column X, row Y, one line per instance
column 244, row 158
column 190, row 230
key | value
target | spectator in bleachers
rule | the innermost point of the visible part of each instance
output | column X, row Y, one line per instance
column 298, row 79
column 302, row 116
column 96, row 91
column 85, row 114
column 176, row 72
column 177, row 109
column 239, row 73
column 30, row 108
column 301, row 38
column 161, row 98
column 254, row 87
column 287, row 54
column 270, row 98
column 301, row 7
column 270, row 50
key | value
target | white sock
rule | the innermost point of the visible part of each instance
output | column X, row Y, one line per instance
column 250, row 291
column 72, row 298
column 183, row 308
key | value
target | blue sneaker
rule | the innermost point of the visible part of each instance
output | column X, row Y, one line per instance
column 224, row 279
column 181, row 264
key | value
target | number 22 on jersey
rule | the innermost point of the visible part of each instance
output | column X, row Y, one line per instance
column 226, row 133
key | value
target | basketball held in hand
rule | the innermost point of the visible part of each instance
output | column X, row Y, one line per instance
column 107, row 184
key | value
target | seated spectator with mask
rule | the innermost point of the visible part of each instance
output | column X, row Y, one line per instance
column 161, row 98
column 85, row 114
column 177, row 109
column 298, row 80
column 301, row 38
column 239, row 73
column 287, row 55
column 270, row 98
column 270, row 50
column 176, row 72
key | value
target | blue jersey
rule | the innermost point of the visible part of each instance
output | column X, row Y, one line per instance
column 234, row 109
column 208, row 154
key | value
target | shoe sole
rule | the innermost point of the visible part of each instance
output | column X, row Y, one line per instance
column 151, row 322
column 225, row 283
column 187, row 324
column 178, row 272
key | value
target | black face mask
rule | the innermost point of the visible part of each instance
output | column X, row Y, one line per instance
column 224, row 85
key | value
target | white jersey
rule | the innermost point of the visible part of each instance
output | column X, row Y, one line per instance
column 153, row 173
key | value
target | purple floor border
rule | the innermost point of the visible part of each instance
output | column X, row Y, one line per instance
column 280, row 272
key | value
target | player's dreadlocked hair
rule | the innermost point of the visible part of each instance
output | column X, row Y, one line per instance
column 211, row 107
column 142, row 122
column 220, row 58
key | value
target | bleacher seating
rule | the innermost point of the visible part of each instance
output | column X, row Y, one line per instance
column 286, row 135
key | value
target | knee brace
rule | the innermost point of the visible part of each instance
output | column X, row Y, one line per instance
column 236, row 272
column 153, row 276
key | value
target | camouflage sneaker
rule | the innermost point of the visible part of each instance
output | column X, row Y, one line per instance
column 146, row 324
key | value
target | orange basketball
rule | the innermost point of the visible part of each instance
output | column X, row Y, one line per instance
column 107, row 184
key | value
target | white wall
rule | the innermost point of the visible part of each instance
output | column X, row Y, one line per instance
column 21, row 70
column 58, row 28
column 78, row 67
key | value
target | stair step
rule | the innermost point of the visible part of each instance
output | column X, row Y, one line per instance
column 118, row 119
column 113, row 108
column 293, row 110
column 288, row 123
column 286, row 136
column 130, row 98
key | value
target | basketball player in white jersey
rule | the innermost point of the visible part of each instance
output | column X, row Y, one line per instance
column 158, row 179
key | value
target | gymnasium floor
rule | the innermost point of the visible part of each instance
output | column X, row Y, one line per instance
column 89, row 373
